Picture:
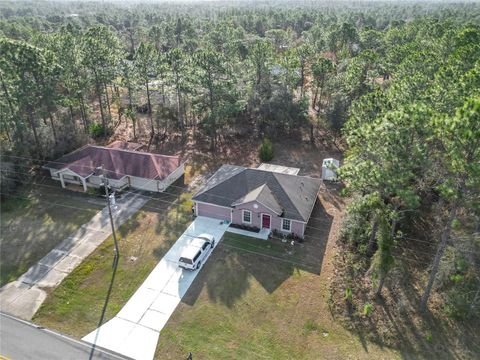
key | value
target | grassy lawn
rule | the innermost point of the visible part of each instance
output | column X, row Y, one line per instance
column 249, row 306
column 257, row 299
column 32, row 223
column 75, row 306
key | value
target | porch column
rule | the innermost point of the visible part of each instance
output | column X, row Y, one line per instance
column 61, row 180
column 84, row 183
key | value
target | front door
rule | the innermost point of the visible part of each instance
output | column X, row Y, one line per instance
column 266, row 221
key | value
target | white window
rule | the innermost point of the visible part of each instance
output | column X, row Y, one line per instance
column 247, row 216
column 286, row 225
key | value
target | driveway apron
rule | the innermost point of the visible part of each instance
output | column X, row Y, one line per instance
column 134, row 331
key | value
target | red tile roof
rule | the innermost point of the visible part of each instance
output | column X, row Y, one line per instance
column 117, row 162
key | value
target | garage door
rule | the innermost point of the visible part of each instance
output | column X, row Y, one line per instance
column 213, row 211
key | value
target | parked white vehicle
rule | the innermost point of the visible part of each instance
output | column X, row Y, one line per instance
column 196, row 252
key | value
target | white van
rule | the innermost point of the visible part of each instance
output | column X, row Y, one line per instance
column 197, row 251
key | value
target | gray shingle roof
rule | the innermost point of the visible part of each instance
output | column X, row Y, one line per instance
column 294, row 195
column 264, row 196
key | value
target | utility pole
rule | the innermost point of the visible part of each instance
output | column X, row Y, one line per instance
column 105, row 184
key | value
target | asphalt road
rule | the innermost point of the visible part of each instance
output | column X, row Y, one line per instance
column 20, row 340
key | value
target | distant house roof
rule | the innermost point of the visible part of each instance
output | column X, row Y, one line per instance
column 291, row 196
column 125, row 145
column 116, row 162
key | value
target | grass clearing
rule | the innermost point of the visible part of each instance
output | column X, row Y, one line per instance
column 75, row 306
column 257, row 299
column 35, row 219
column 248, row 306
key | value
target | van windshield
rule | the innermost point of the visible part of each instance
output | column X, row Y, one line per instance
column 185, row 260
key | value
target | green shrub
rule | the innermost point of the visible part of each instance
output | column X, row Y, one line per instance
column 367, row 309
column 429, row 337
column 348, row 295
column 98, row 131
column 355, row 230
column 266, row 150
column 310, row 326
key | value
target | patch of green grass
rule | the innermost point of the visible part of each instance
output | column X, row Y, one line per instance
column 11, row 204
column 271, row 247
column 34, row 220
column 75, row 306
column 246, row 306
column 310, row 326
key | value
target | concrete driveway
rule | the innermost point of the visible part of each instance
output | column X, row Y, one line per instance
column 135, row 329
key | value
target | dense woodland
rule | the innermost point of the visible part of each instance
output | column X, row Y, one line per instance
column 396, row 86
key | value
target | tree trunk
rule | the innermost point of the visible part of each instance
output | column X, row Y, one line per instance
column 371, row 240
column 378, row 293
column 99, row 94
column 31, row 121
column 83, row 114
column 163, row 94
column 72, row 119
column 108, row 101
column 314, row 103
column 179, row 111
column 149, row 104
column 54, row 132
column 302, row 79
column 312, row 139
column 436, row 262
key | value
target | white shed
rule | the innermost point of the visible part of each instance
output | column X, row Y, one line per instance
column 329, row 169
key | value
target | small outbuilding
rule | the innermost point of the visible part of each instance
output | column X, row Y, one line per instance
column 329, row 169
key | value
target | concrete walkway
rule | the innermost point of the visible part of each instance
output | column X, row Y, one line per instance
column 263, row 234
column 134, row 331
column 23, row 297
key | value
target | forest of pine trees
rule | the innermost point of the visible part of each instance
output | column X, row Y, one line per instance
column 395, row 86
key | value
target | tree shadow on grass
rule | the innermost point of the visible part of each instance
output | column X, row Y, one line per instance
column 105, row 305
column 31, row 229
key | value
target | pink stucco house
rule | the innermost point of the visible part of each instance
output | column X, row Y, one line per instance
column 257, row 198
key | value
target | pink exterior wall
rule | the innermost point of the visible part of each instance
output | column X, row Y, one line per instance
column 213, row 211
column 297, row 227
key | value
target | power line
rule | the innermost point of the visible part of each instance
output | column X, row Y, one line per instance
column 83, row 166
column 49, row 177
column 272, row 236
column 165, row 192
column 123, row 174
column 403, row 257
column 49, row 202
column 126, row 193
column 183, row 188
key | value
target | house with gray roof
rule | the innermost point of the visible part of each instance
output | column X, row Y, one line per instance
column 259, row 199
